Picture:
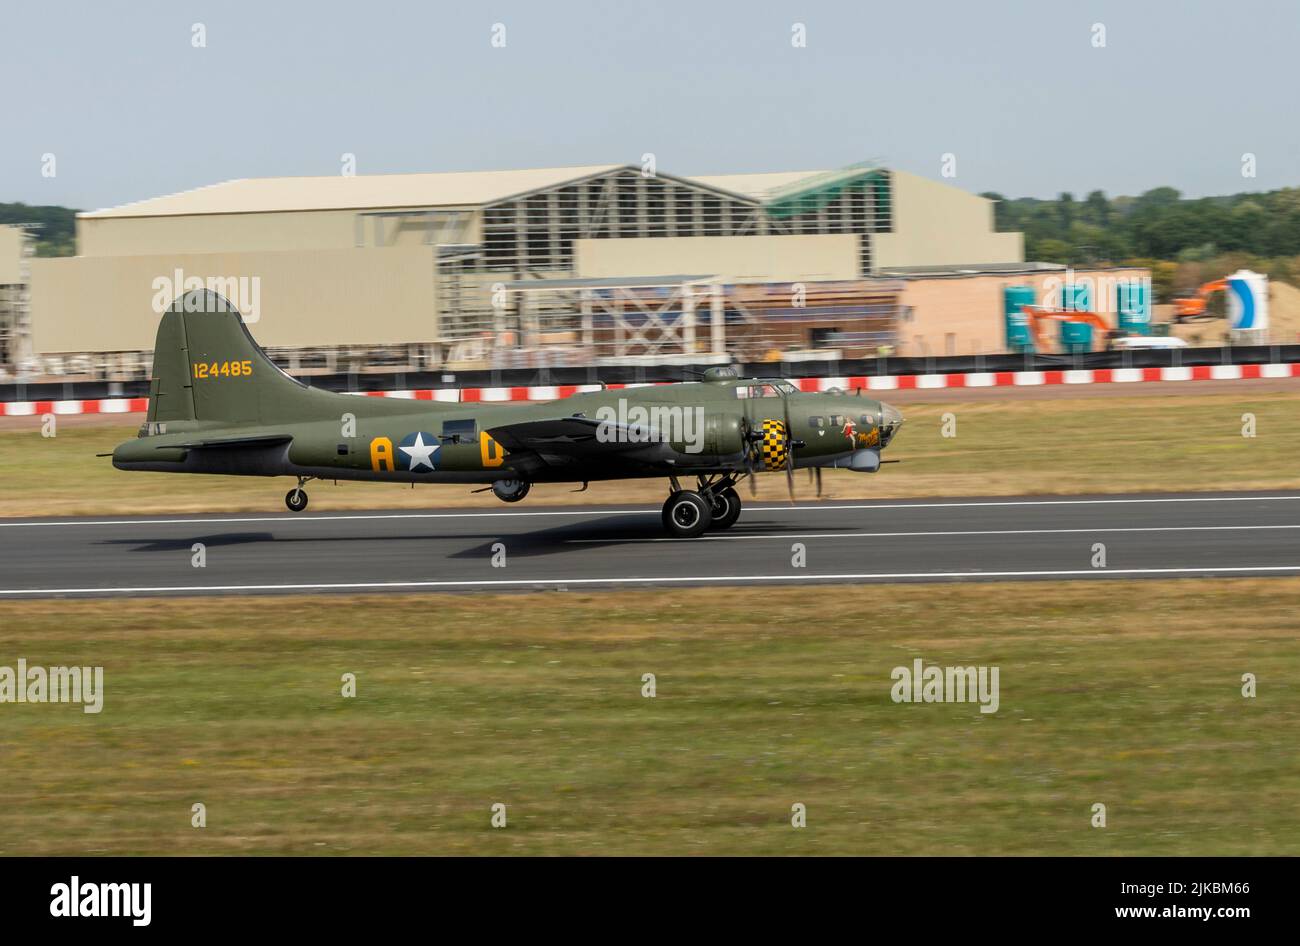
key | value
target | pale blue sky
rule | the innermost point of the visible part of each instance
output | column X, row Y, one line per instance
column 1014, row 89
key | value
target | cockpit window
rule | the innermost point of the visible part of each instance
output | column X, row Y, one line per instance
column 765, row 389
column 775, row 388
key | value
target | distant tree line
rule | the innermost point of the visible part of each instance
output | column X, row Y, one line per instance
column 1182, row 240
column 57, row 233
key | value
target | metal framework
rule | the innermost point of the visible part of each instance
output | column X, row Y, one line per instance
column 15, row 310
column 696, row 319
column 854, row 200
column 531, row 236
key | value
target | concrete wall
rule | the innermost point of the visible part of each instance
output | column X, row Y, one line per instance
column 938, row 224
column 306, row 298
column 11, row 255
column 771, row 258
column 242, row 232
column 962, row 315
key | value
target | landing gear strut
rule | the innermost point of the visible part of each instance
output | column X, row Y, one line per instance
column 296, row 498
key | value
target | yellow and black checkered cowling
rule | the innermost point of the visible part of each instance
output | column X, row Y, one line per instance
column 774, row 447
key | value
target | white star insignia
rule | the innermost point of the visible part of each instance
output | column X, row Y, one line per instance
column 420, row 452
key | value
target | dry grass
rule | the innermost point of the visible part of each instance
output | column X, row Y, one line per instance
column 1126, row 693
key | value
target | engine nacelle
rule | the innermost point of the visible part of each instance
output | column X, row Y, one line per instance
column 711, row 435
column 772, row 451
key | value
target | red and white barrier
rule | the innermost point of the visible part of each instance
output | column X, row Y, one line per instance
column 108, row 405
column 991, row 379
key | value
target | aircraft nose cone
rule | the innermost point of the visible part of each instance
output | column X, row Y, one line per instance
column 891, row 418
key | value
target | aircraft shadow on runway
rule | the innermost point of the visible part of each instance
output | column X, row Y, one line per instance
column 590, row 535
column 186, row 544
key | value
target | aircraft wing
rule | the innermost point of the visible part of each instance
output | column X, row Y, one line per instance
column 227, row 443
column 573, row 436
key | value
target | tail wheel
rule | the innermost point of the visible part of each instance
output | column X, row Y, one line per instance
column 686, row 515
column 725, row 509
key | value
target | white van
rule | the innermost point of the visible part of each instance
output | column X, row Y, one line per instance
column 1136, row 342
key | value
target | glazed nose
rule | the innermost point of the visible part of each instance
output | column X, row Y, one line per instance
column 891, row 418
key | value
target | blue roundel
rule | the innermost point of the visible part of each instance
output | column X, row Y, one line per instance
column 418, row 453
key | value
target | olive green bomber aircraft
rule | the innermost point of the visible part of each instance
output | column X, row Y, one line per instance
column 218, row 404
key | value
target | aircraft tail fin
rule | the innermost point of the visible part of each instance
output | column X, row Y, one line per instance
column 206, row 367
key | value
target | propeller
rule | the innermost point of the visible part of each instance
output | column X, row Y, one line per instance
column 750, row 440
column 753, row 439
column 789, row 449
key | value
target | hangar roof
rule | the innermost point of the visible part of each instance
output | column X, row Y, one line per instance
column 758, row 186
column 362, row 192
column 394, row 191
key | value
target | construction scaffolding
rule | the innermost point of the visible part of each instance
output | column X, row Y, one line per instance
column 15, row 306
column 694, row 319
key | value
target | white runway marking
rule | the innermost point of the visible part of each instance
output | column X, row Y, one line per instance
column 645, row 510
column 908, row 535
column 682, row 579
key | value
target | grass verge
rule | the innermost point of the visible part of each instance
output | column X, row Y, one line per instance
column 1125, row 693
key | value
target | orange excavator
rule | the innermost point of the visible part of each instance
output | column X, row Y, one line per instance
column 1195, row 308
column 1037, row 317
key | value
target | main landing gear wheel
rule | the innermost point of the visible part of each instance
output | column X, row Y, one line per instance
column 725, row 509
column 296, row 499
column 511, row 491
column 686, row 515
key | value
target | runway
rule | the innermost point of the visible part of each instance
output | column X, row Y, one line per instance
column 521, row 548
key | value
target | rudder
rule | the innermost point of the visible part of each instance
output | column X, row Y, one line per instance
column 207, row 367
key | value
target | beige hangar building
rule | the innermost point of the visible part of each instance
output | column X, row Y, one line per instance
column 545, row 266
